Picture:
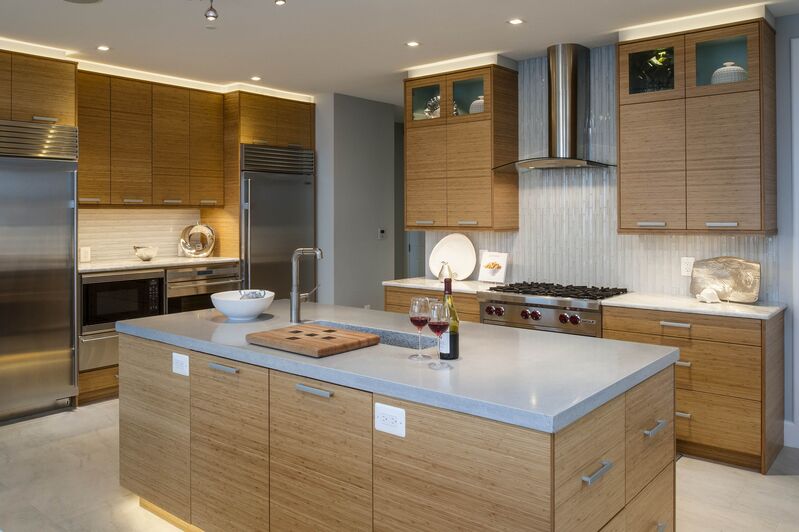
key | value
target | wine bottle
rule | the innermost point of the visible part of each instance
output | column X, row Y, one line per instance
column 449, row 340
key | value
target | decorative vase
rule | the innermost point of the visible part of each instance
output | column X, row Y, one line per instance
column 729, row 73
column 477, row 106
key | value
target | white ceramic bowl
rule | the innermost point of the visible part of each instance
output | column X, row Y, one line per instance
column 231, row 305
column 145, row 253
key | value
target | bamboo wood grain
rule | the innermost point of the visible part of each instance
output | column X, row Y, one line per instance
column 505, row 148
column 773, row 373
column 399, row 300
column 170, row 144
column 258, row 119
column 717, row 454
column 652, row 165
column 617, row 524
column 654, row 505
column 425, row 201
column 294, row 123
column 154, row 425
column 625, row 49
column 469, row 178
column 768, row 118
column 720, row 368
column 206, row 142
column 43, row 87
column 5, row 85
column 427, row 149
column 98, row 385
column 717, row 421
column 94, row 117
column 313, row 340
column 173, row 520
column 646, row 405
column 320, row 456
column 487, row 475
column 229, row 445
column 703, row 326
column 749, row 30
column 723, row 160
column 131, row 141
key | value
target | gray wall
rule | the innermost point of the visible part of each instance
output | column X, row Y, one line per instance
column 355, row 198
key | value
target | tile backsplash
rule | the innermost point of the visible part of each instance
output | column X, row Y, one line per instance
column 568, row 221
column 112, row 233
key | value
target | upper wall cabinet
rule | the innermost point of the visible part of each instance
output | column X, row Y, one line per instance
column 697, row 130
column 42, row 90
column 275, row 121
column 94, row 160
column 5, row 85
column 131, row 142
column 206, row 130
column 452, row 147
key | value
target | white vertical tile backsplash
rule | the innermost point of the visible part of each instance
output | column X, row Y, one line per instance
column 112, row 233
column 567, row 217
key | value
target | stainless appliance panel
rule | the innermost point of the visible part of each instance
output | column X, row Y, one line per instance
column 198, row 273
column 106, row 298
column 37, row 285
column 278, row 217
column 98, row 350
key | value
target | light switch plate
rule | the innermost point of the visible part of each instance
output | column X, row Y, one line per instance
column 390, row 419
column 686, row 266
column 180, row 364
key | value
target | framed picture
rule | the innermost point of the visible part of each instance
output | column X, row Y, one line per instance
column 493, row 266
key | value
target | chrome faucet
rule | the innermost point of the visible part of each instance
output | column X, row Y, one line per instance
column 296, row 296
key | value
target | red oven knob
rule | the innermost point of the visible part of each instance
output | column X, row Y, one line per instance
column 499, row 311
column 564, row 318
column 525, row 314
column 575, row 319
column 490, row 310
column 535, row 315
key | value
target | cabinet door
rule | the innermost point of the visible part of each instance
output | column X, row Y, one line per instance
column 469, row 174
column 652, row 70
column 653, row 508
column 723, row 162
column 42, row 90
column 5, row 86
column 652, row 166
column 229, row 445
column 94, row 122
column 258, row 119
column 722, row 60
column 206, row 138
column 131, row 142
column 469, row 95
column 294, row 123
column 154, row 423
column 425, row 177
column 320, row 467
column 170, row 145
column 424, row 98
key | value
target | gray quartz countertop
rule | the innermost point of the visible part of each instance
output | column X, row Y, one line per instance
column 134, row 263
column 757, row 311
column 533, row 379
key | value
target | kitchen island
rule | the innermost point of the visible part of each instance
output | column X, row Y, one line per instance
column 529, row 430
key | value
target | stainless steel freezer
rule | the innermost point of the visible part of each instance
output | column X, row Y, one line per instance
column 37, row 267
column 278, row 216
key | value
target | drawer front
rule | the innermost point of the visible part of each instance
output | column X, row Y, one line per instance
column 98, row 384
column 713, row 367
column 649, row 430
column 683, row 325
column 724, row 422
column 399, row 300
column 653, row 508
column 617, row 524
column 589, row 469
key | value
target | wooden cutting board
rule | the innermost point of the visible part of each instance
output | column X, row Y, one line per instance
column 313, row 340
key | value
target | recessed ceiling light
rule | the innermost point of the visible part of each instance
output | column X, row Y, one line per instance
column 412, row 44
column 256, row 78
column 280, row 2
column 515, row 21
column 103, row 48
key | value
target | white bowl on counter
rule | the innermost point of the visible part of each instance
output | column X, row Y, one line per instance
column 145, row 253
column 235, row 308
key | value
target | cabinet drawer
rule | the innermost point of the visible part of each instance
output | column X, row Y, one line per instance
column 649, row 430
column 399, row 300
column 724, row 369
column 653, row 508
column 592, row 448
column 98, row 384
column 616, row 524
column 682, row 325
column 726, row 423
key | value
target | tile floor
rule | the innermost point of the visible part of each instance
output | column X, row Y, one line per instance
column 59, row 473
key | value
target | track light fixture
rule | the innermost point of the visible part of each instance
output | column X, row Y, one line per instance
column 211, row 14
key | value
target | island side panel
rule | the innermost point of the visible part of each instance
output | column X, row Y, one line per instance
column 453, row 471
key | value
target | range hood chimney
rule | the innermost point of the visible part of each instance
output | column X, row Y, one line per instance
column 569, row 111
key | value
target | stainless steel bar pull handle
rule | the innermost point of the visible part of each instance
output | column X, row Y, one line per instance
column 599, row 473
column 684, row 415
column 683, row 364
column 676, row 324
column 208, row 202
column 45, row 119
column 721, row 224
column 662, row 527
column 223, row 369
column 88, row 340
column 313, row 391
column 425, row 222
column 173, row 201
column 132, row 200
column 467, row 222
column 651, row 224
column 661, row 423
column 88, row 200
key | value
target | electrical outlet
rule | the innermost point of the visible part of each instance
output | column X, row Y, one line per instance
column 686, row 266
column 390, row 419
column 180, row 364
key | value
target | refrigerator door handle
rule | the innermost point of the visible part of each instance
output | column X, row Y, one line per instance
column 247, row 261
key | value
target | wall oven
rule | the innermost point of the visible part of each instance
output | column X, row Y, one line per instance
column 106, row 298
column 190, row 288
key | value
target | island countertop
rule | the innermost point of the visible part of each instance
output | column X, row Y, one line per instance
column 538, row 380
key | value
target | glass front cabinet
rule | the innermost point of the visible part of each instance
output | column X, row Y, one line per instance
column 652, row 70
column 723, row 60
column 423, row 99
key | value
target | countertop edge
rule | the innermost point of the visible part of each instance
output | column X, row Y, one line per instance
column 136, row 264
column 426, row 284
column 487, row 410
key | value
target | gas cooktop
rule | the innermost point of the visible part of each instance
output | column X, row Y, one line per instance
column 559, row 290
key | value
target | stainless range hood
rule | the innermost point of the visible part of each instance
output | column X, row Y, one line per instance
column 569, row 111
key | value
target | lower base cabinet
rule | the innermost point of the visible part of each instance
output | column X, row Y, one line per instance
column 237, row 447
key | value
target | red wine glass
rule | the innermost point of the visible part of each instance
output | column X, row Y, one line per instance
column 420, row 316
column 439, row 323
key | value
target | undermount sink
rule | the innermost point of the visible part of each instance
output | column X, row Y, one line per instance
column 387, row 337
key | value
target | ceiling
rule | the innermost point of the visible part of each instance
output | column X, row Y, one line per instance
column 353, row 47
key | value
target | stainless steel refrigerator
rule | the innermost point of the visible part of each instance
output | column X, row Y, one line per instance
column 278, row 216
column 37, row 267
